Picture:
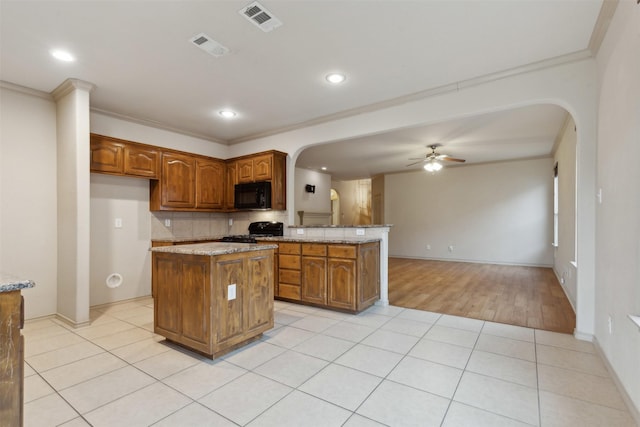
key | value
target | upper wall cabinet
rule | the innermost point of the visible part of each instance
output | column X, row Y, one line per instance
column 188, row 183
column 265, row 166
column 119, row 157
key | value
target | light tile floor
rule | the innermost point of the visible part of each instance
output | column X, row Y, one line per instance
column 387, row 366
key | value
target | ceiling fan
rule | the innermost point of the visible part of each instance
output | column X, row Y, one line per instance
column 432, row 159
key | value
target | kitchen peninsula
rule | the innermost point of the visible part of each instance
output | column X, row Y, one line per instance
column 213, row 297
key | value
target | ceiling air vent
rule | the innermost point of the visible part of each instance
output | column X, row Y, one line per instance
column 209, row 45
column 259, row 16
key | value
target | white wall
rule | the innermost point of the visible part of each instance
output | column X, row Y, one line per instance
column 320, row 201
column 496, row 213
column 119, row 250
column 565, row 253
column 28, row 196
column 618, row 217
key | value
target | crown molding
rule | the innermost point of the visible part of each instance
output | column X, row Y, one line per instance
column 602, row 25
column 26, row 90
column 158, row 125
column 69, row 86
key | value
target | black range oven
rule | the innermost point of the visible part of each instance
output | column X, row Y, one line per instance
column 257, row 230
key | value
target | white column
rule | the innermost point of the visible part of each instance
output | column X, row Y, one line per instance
column 72, row 122
column 384, row 267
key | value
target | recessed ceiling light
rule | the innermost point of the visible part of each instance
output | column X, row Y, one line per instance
column 62, row 55
column 336, row 78
column 228, row 114
column 324, row 168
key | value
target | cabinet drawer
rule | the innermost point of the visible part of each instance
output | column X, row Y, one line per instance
column 290, row 276
column 315, row 249
column 289, row 261
column 289, row 248
column 341, row 251
column 289, row 291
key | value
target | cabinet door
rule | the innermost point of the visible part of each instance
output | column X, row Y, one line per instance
column 263, row 167
column 178, row 181
column 279, row 182
column 230, row 184
column 314, row 279
column 140, row 161
column 167, row 277
column 259, row 291
column 229, row 317
column 195, row 304
column 209, row 184
column 245, row 170
column 106, row 155
column 341, row 283
column 369, row 271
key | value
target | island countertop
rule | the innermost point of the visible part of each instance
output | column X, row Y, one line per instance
column 9, row 282
column 327, row 240
column 213, row 248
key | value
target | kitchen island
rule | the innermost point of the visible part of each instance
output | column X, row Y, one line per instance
column 213, row 297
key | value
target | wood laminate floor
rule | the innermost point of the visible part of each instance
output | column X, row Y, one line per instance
column 522, row 296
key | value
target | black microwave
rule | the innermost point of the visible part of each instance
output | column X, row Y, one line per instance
column 253, row 195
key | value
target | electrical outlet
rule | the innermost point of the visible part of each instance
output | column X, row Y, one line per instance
column 230, row 222
column 450, row 248
column 428, row 247
column 610, row 324
column 118, row 222
column 167, row 222
column 299, row 230
column 359, row 231
column 231, row 292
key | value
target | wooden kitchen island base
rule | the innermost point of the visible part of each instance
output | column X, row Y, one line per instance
column 213, row 297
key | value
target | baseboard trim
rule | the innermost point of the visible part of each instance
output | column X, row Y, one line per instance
column 635, row 412
column 473, row 261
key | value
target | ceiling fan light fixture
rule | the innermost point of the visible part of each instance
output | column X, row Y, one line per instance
column 432, row 166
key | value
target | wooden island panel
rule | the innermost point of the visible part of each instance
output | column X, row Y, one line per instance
column 193, row 306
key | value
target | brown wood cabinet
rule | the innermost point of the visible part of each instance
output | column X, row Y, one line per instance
column 230, row 183
column 119, row 157
column 11, row 358
column 210, row 176
column 340, row 276
column 188, row 183
column 289, row 270
column 193, row 306
column 265, row 166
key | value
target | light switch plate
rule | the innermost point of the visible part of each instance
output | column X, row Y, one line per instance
column 231, row 292
column 118, row 223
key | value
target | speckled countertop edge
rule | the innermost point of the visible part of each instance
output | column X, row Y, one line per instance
column 213, row 248
column 188, row 239
column 342, row 226
column 328, row 240
column 9, row 282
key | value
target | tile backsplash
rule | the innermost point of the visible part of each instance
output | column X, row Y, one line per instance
column 205, row 224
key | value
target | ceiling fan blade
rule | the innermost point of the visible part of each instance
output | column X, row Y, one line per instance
column 414, row 163
column 453, row 159
column 417, row 158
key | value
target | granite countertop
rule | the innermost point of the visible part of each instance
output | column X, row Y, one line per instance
column 189, row 239
column 329, row 240
column 342, row 226
column 213, row 248
column 10, row 283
